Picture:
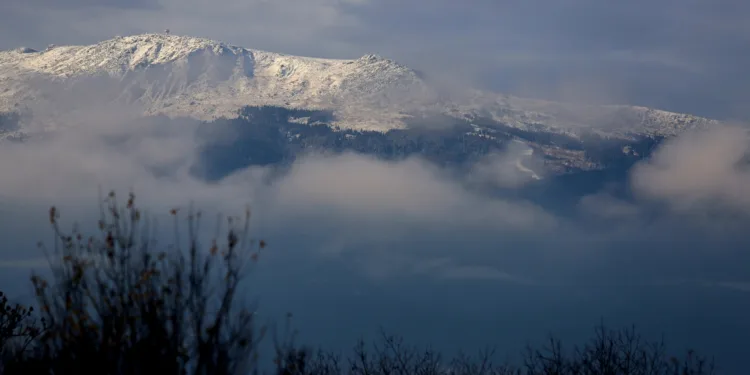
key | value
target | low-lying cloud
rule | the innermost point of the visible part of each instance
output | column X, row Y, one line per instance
column 344, row 221
column 699, row 169
column 380, row 211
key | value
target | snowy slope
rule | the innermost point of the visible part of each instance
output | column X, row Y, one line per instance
column 201, row 78
column 205, row 79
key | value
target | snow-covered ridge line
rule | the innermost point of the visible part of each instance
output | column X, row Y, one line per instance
column 206, row 79
column 197, row 77
column 138, row 51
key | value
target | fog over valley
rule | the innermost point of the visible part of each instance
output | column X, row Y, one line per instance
column 462, row 176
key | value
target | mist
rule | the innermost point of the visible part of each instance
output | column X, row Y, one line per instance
column 357, row 241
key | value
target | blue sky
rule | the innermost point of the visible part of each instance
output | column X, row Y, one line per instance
column 687, row 56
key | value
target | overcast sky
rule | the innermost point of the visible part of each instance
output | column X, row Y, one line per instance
column 682, row 55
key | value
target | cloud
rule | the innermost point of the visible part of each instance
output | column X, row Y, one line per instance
column 412, row 190
column 506, row 169
column 697, row 170
column 345, row 201
column 83, row 4
column 605, row 206
column 447, row 269
column 390, row 218
column 405, row 231
column 742, row 287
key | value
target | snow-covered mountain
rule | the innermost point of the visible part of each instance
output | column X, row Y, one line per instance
column 178, row 75
column 181, row 76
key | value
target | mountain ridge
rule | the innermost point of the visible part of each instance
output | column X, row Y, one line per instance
column 171, row 68
column 207, row 79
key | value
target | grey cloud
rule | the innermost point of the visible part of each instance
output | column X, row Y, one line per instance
column 698, row 170
column 84, row 4
column 448, row 269
column 666, row 54
column 400, row 231
column 604, row 206
column 505, row 170
column 407, row 191
column 387, row 216
column 743, row 287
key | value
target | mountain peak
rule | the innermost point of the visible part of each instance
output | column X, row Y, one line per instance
column 205, row 79
column 371, row 58
column 120, row 54
column 185, row 44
